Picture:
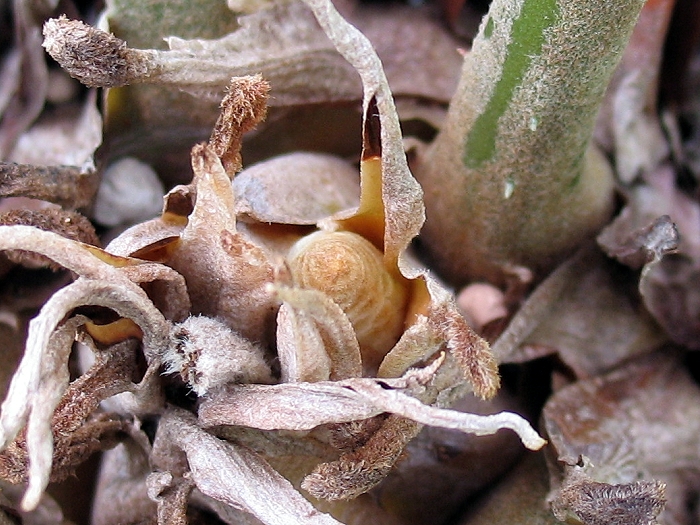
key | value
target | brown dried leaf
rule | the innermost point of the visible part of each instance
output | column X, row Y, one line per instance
column 628, row 121
column 420, row 57
column 153, row 240
column 637, row 247
column 235, row 475
column 588, row 311
column 636, row 423
column 671, row 293
column 471, row 352
column 669, row 284
column 277, row 444
column 417, row 344
column 68, row 224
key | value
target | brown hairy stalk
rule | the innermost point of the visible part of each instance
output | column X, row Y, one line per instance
column 243, row 107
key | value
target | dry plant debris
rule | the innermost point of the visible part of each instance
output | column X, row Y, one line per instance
column 320, row 328
column 269, row 347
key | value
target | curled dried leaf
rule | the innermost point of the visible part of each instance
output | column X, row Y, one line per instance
column 303, row 406
column 669, row 280
column 62, row 411
column 642, row 245
column 71, row 225
column 588, row 311
column 41, row 378
column 236, row 475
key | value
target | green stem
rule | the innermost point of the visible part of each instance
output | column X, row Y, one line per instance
column 511, row 179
